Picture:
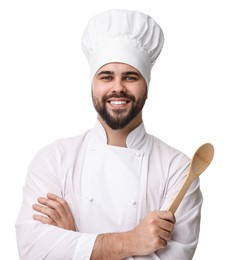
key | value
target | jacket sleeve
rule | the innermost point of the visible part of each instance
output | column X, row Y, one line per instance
column 39, row 241
column 185, row 235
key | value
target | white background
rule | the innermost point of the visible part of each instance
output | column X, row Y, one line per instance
column 45, row 94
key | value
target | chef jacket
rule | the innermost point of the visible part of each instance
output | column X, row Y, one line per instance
column 108, row 189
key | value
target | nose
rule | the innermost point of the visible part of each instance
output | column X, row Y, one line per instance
column 118, row 86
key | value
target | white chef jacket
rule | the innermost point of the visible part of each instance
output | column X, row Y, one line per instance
column 108, row 189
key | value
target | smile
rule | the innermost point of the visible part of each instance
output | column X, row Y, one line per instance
column 118, row 102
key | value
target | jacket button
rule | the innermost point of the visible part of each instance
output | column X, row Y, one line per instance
column 138, row 154
column 133, row 202
column 90, row 198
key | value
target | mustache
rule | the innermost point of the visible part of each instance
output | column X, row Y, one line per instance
column 116, row 95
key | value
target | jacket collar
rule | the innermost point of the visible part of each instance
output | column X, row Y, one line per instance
column 134, row 139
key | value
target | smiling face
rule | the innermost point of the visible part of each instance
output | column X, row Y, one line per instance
column 119, row 93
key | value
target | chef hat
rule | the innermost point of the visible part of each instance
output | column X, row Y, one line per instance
column 124, row 36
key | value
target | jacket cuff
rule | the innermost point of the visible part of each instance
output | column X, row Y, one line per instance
column 84, row 247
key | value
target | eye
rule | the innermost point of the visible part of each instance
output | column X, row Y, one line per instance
column 131, row 78
column 106, row 78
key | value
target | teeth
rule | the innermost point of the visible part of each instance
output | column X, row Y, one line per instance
column 118, row 102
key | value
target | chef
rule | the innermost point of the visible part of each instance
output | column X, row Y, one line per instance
column 104, row 194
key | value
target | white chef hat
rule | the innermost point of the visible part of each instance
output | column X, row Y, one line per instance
column 124, row 36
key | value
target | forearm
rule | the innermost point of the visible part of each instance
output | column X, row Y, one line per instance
column 151, row 234
column 113, row 246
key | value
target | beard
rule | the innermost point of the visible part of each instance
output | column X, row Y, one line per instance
column 118, row 118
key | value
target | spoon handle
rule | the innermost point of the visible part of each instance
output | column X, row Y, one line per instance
column 180, row 195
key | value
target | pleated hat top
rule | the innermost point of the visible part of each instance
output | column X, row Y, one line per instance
column 124, row 36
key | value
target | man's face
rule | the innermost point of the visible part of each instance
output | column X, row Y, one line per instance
column 119, row 93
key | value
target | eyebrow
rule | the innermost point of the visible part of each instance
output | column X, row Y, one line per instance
column 131, row 73
column 108, row 72
column 105, row 72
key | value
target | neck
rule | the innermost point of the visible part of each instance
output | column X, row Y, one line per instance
column 118, row 137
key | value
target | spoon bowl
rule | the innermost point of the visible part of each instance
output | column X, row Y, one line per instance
column 199, row 163
column 201, row 159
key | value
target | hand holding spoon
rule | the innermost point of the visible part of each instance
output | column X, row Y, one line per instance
column 199, row 163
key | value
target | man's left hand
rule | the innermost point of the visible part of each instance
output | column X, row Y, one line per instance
column 55, row 211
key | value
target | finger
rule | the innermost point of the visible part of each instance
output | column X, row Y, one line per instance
column 52, row 204
column 59, row 200
column 167, row 215
column 48, row 212
column 44, row 220
column 166, row 225
column 165, row 235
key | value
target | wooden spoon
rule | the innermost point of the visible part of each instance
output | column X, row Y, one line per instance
column 199, row 163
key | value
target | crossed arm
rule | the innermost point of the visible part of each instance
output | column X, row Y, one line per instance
column 151, row 234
